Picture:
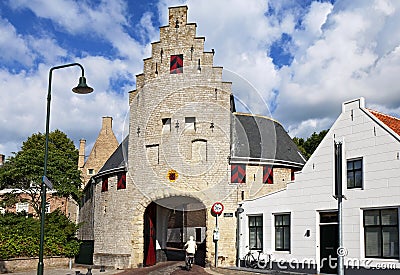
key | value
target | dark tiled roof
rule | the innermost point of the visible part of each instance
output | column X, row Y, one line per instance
column 392, row 122
column 118, row 159
column 261, row 138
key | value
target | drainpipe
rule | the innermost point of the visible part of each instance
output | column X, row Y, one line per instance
column 239, row 210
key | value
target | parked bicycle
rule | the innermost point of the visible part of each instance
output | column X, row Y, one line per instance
column 257, row 261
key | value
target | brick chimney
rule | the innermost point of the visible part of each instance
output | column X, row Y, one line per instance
column 81, row 159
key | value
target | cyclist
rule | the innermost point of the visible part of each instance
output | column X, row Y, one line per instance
column 190, row 249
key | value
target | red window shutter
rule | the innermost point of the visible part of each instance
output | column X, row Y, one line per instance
column 104, row 184
column 176, row 64
column 238, row 173
column 121, row 184
column 268, row 175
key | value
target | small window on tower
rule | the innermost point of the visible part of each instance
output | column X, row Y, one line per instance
column 190, row 123
column 166, row 125
column 176, row 65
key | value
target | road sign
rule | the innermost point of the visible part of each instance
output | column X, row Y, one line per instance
column 217, row 208
column 47, row 182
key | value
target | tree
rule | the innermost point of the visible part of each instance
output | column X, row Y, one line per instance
column 25, row 169
column 19, row 236
column 308, row 146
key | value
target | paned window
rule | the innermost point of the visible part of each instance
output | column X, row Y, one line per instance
column 268, row 176
column 238, row 173
column 104, row 184
column 121, row 184
column 256, row 232
column 354, row 173
column 22, row 207
column 176, row 64
column 282, row 232
column 381, row 233
column 47, row 207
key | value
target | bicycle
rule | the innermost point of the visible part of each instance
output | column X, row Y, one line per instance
column 189, row 261
column 261, row 261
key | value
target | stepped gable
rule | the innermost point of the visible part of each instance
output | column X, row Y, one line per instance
column 259, row 138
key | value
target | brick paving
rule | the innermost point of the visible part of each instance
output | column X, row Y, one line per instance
column 163, row 268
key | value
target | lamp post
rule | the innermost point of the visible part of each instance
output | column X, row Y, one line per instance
column 82, row 88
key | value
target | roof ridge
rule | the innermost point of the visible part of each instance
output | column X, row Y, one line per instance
column 390, row 121
column 383, row 114
column 256, row 115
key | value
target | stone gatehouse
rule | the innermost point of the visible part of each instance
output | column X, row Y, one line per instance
column 187, row 149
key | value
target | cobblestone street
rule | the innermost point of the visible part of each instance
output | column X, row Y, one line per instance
column 164, row 268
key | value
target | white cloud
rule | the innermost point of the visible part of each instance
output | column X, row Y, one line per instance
column 106, row 20
column 14, row 45
column 340, row 51
column 348, row 59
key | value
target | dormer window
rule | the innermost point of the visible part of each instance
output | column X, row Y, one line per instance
column 176, row 64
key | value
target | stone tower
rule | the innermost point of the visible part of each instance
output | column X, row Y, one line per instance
column 187, row 149
column 179, row 139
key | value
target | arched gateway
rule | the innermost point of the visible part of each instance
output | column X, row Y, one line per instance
column 187, row 149
column 168, row 223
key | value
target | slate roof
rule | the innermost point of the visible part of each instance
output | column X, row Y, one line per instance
column 262, row 139
column 392, row 122
column 117, row 161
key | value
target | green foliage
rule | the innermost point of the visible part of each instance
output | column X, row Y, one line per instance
column 308, row 146
column 26, row 167
column 19, row 236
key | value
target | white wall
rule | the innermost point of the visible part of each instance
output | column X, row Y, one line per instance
column 312, row 190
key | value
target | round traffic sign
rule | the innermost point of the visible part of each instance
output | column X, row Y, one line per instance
column 217, row 208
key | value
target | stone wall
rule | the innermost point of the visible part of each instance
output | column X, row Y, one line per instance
column 26, row 264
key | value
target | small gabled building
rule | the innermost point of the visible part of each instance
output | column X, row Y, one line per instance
column 298, row 225
column 106, row 143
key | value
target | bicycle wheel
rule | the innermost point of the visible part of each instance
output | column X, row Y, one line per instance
column 248, row 260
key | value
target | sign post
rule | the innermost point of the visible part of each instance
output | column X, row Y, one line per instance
column 216, row 209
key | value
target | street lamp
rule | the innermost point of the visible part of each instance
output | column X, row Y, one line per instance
column 82, row 88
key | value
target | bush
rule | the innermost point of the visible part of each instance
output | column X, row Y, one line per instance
column 20, row 236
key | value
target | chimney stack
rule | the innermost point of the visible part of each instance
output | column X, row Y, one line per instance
column 107, row 124
column 81, row 159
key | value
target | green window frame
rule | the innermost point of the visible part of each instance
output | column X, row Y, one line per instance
column 256, row 232
column 355, row 173
column 282, row 232
column 381, row 233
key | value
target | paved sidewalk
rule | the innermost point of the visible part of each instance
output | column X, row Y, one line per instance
column 161, row 268
column 67, row 271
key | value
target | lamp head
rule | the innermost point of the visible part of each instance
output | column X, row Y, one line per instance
column 82, row 87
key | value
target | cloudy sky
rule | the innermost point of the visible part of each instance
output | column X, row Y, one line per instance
column 303, row 58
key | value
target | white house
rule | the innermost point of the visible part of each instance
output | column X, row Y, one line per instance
column 299, row 225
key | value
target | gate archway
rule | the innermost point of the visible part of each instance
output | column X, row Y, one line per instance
column 168, row 224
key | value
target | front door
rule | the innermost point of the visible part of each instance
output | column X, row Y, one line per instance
column 150, row 235
column 329, row 243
